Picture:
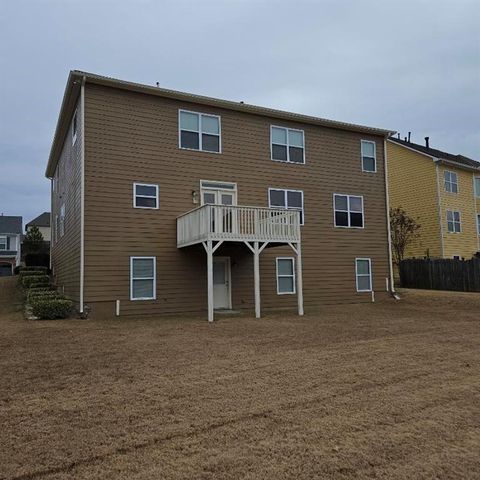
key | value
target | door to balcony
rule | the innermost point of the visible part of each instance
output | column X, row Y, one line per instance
column 220, row 193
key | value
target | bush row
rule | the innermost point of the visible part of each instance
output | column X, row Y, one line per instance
column 35, row 280
column 50, row 309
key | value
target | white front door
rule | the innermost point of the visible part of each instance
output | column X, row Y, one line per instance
column 221, row 282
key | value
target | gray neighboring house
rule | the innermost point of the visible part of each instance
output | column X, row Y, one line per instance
column 10, row 244
column 43, row 224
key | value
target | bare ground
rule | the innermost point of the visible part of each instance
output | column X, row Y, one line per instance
column 386, row 391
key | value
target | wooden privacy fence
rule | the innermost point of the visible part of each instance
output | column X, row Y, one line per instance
column 441, row 274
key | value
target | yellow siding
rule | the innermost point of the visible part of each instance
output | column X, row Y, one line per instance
column 413, row 187
column 464, row 243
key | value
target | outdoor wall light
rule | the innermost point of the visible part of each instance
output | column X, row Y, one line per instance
column 195, row 197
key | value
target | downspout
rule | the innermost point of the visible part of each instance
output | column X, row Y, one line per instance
column 82, row 195
column 439, row 206
column 51, row 223
column 389, row 233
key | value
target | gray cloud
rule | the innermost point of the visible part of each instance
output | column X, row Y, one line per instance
column 409, row 66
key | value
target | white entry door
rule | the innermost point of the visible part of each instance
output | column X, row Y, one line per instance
column 221, row 282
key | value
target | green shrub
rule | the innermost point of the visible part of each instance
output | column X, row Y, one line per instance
column 34, row 269
column 36, row 280
column 52, row 308
column 31, row 273
column 36, row 296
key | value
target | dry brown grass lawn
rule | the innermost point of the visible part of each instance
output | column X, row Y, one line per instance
column 386, row 391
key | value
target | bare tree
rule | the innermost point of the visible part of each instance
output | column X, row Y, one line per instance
column 404, row 229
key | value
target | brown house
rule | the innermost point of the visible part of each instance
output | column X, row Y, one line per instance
column 166, row 202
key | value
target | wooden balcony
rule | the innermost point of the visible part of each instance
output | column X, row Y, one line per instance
column 238, row 224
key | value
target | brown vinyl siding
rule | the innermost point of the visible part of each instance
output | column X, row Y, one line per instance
column 66, row 249
column 132, row 137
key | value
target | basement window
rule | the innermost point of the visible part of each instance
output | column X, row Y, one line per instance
column 369, row 156
column 199, row 131
column 454, row 223
column 285, row 275
column 145, row 195
column 363, row 274
column 451, row 182
column 142, row 278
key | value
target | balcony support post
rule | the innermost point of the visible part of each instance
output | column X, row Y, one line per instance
column 209, row 249
column 256, row 274
column 297, row 248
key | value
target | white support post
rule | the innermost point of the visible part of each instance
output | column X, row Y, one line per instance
column 299, row 279
column 209, row 250
column 256, row 274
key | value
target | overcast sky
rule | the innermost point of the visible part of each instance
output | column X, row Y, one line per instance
column 402, row 65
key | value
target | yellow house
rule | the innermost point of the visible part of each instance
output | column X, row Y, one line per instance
column 442, row 192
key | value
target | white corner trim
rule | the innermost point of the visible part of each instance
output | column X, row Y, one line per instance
column 82, row 196
column 389, row 232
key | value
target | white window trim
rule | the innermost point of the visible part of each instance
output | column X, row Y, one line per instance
column 348, row 211
column 4, row 237
column 154, row 278
column 374, row 155
column 369, row 260
column 450, row 182
column 199, row 149
column 476, row 191
column 287, row 145
column 286, row 276
column 454, row 221
column 62, row 219
column 74, row 132
column 157, row 196
column 285, row 190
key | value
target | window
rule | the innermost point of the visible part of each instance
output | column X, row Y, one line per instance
column 477, row 186
column 142, row 278
column 369, row 156
column 288, row 199
column 363, row 274
column 478, row 223
column 62, row 220
column 348, row 211
column 199, row 131
column 56, row 227
column 451, row 182
column 285, row 275
column 145, row 195
column 457, row 257
column 74, row 128
column 287, row 144
column 3, row 243
column 454, row 222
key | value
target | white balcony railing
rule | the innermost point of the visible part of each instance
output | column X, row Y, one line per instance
column 235, row 223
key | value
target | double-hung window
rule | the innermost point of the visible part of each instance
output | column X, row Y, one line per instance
column 142, row 278
column 62, row 220
column 285, row 275
column 348, row 211
column 199, row 131
column 451, row 182
column 287, row 144
column 3, row 243
column 454, row 222
column 363, row 274
column 145, row 195
column 477, row 187
column 369, row 156
column 288, row 199
column 478, row 223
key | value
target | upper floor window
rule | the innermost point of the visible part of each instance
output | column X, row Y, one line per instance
column 288, row 199
column 348, row 211
column 142, row 278
column 3, row 243
column 62, row 220
column 477, row 186
column 478, row 223
column 199, row 131
column 145, row 195
column 454, row 221
column 74, row 128
column 363, row 274
column 451, row 182
column 369, row 156
column 287, row 144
